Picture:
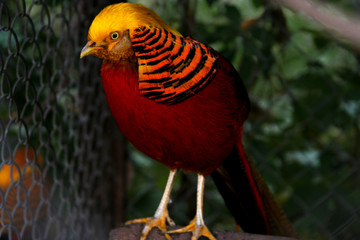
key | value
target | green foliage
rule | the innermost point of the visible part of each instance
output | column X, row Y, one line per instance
column 304, row 129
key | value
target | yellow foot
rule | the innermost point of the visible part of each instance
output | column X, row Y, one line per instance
column 197, row 231
column 152, row 222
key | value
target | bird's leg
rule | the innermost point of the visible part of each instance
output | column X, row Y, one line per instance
column 197, row 225
column 161, row 215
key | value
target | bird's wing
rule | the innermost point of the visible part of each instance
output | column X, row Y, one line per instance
column 171, row 68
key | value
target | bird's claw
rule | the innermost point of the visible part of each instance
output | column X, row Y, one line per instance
column 153, row 222
column 197, row 231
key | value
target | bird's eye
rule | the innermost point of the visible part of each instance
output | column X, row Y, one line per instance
column 114, row 35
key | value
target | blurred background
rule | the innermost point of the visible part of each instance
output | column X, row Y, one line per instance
column 66, row 172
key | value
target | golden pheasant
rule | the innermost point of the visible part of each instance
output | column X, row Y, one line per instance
column 183, row 104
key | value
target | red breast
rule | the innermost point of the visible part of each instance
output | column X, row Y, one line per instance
column 194, row 135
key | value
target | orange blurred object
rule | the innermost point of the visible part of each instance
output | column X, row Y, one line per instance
column 20, row 182
column 248, row 23
column 11, row 172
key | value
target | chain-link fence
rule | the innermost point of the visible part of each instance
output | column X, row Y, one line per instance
column 58, row 147
column 63, row 169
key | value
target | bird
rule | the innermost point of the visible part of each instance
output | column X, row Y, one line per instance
column 181, row 103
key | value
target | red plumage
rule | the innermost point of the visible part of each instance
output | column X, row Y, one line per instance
column 194, row 135
column 202, row 134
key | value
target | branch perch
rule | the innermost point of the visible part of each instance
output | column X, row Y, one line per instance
column 133, row 232
column 344, row 27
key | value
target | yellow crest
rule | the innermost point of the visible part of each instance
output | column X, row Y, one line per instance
column 122, row 17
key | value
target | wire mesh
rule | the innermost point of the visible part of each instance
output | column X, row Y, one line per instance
column 57, row 144
column 63, row 170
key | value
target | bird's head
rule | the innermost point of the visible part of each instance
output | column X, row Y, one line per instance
column 110, row 33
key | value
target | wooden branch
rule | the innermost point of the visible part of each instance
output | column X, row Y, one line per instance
column 340, row 24
column 133, row 232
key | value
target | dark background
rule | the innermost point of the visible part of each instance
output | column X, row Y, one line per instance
column 303, row 132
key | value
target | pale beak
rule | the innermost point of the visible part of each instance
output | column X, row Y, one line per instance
column 88, row 49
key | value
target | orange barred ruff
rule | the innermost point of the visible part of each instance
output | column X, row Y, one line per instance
column 171, row 68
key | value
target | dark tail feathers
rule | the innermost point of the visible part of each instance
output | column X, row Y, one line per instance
column 248, row 198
